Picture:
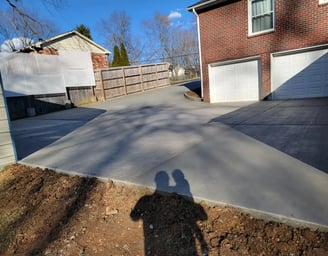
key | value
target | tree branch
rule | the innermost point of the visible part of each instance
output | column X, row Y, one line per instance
column 20, row 12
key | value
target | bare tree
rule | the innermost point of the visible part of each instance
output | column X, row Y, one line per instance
column 177, row 45
column 20, row 27
column 157, row 31
column 185, row 48
column 117, row 30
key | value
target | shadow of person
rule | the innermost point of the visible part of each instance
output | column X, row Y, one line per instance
column 182, row 186
column 162, row 181
column 170, row 221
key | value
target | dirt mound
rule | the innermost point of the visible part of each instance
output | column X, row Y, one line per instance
column 46, row 213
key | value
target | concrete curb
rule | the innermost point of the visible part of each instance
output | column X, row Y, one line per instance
column 189, row 97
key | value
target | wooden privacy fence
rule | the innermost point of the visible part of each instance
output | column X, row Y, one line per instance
column 114, row 82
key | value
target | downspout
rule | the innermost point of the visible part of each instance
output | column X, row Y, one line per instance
column 200, row 54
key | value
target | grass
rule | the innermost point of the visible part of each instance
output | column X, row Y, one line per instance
column 6, row 220
column 5, row 168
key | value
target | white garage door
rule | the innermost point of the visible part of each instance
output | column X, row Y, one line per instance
column 300, row 75
column 237, row 81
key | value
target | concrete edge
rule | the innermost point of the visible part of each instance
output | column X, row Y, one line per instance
column 268, row 216
column 131, row 94
column 257, row 214
column 188, row 97
column 180, row 83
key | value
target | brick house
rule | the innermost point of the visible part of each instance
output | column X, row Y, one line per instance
column 258, row 49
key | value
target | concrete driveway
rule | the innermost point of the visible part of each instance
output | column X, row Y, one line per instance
column 225, row 151
column 298, row 128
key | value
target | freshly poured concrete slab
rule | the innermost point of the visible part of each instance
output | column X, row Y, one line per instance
column 133, row 138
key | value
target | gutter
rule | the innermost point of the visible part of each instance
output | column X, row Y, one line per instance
column 203, row 5
column 194, row 7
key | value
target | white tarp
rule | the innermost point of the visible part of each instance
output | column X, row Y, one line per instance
column 35, row 74
column 78, row 69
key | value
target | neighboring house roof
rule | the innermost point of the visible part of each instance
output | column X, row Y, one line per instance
column 204, row 4
column 72, row 40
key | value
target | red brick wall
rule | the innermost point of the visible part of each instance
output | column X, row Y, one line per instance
column 45, row 51
column 224, row 34
column 99, row 60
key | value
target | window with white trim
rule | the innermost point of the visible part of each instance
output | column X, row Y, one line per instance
column 260, row 16
column 323, row 1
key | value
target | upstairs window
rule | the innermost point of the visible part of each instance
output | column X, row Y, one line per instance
column 260, row 16
column 323, row 1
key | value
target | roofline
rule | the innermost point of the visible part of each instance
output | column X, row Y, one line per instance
column 195, row 6
column 206, row 4
column 49, row 40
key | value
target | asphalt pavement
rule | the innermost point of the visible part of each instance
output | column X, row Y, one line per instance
column 241, row 154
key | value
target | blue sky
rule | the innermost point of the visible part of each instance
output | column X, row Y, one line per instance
column 89, row 12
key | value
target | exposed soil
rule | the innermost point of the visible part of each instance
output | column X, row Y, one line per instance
column 195, row 93
column 46, row 213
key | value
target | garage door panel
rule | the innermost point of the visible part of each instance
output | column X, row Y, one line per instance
column 300, row 75
column 234, row 82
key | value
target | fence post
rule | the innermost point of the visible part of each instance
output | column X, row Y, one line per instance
column 124, row 82
column 102, row 85
column 156, row 74
column 141, row 78
column 168, row 73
